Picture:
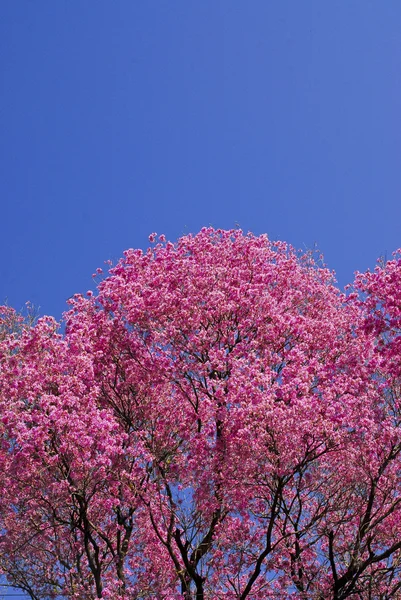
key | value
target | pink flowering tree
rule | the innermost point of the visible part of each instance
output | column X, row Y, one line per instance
column 218, row 421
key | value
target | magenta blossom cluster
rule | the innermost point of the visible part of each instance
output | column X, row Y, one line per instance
column 217, row 422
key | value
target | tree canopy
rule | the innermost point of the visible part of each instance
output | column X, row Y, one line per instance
column 217, row 421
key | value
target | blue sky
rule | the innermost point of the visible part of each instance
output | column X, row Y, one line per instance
column 122, row 118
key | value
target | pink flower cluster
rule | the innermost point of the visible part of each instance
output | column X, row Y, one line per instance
column 218, row 421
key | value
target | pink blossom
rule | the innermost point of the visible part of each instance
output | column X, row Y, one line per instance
column 217, row 421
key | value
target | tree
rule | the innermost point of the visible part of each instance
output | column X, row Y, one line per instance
column 218, row 421
column 13, row 323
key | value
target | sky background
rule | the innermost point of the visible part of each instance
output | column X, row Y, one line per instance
column 120, row 118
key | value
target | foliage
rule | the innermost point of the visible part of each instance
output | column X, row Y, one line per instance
column 218, row 421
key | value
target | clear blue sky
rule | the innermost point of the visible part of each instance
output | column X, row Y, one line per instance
column 120, row 118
